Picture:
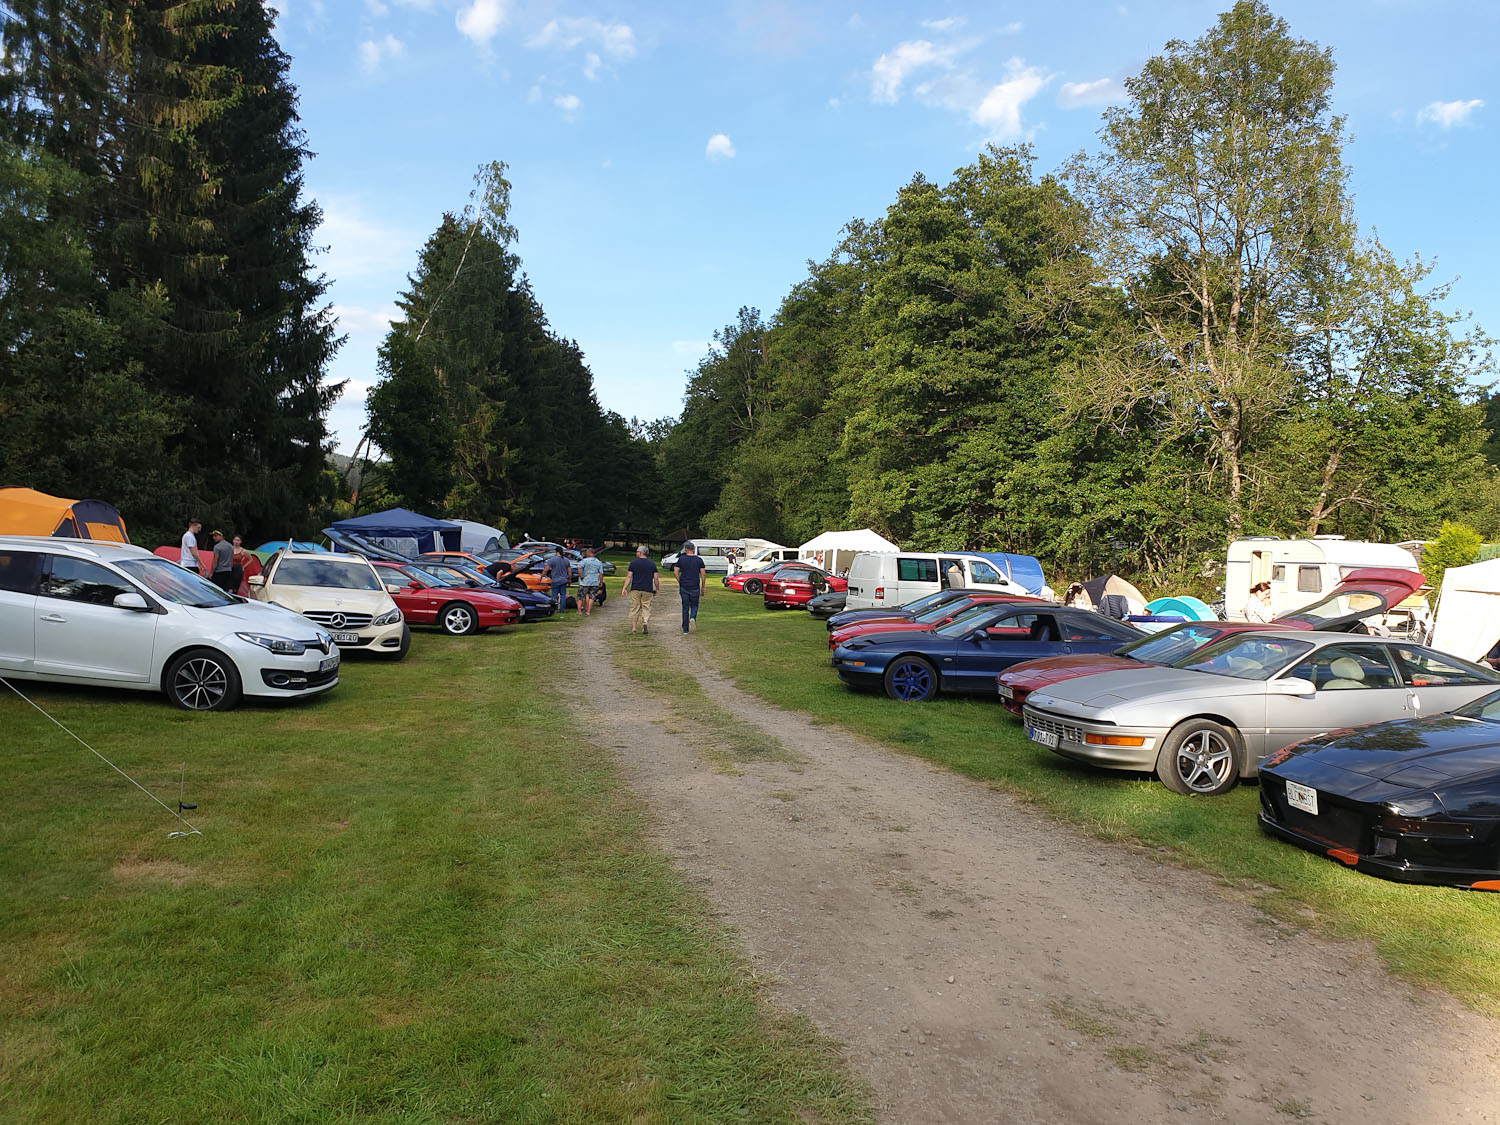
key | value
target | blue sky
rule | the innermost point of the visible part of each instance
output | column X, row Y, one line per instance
column 672, row 162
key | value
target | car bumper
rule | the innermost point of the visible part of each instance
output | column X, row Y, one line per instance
column 859, row 670
column 1096, row 744
column 267, row 676
column 374, row 638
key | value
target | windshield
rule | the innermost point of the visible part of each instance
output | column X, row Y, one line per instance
column 940, row 611
column 1486, row 707
column 1170, row 645
column 923, row 604
column 171, row 583
column 331, row 573
column 1346, row 604
column 1252, row 656
column 970, row 619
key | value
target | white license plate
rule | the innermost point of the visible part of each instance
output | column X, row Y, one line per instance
column 328, row 664
column 1303, row 797
column 1045, row 737
column 346, row 638
column 1006, row 692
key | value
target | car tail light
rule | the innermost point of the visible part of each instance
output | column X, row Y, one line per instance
column 880, row 593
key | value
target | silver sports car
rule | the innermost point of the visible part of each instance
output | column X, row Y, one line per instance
column 1207, row 722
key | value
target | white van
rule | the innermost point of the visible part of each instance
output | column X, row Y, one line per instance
column 888, row 579
column 766, row 557
column 713, row 552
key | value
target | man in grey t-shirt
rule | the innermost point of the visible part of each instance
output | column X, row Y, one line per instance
column 223, row 568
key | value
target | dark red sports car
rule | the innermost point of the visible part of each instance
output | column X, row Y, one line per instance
column 427, row 598
column 796, row 584
column 937, row 615
column 1363, row 594
column 751, row 581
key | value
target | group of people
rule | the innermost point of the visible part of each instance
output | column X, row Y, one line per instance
column 644, row 583
column 229, row 557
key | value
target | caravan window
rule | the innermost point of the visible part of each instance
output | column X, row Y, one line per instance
column 981, row 571
column 916, row 570
column 1278, row 574
column 1309, row 580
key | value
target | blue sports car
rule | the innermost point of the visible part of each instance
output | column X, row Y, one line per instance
column 964, row 655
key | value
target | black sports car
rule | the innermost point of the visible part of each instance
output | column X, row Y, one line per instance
column 1415, row 800
column 826, row 605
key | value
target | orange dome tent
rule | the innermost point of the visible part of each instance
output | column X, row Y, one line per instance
column 24, row 511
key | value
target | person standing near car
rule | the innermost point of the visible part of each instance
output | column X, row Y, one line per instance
column 692, row 581
column 1258, row 608
column 188, row 558
column 558, row 573
column 590, row 578
column 644, row 582
column 221, row 574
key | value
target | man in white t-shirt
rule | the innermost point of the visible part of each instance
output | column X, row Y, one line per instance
column 189, row 557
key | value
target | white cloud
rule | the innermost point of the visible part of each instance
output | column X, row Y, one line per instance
column 591, row 64
column 359, row 246
column 692, row 349
column 1445, row 115
column 616, row 40
column 1101, row 91
column 481, row 20
column 373, row 52
column 1013, row 28
column 1000, row 110
column 362, row 323
column 534, row 95
column 570, row 104
column 952, row 23
column 719, row 147
column 892, row 69
column 376, row 8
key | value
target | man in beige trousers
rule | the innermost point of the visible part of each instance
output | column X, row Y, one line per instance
column 642, row 586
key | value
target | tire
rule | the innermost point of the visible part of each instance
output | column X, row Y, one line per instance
column 202, row 680
column 754, row 586
column 405, row 645
column 1200, row 758
column 911, row 679
column 457, row 619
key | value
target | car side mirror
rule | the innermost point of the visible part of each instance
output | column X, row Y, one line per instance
column 1291, row 685
column 413, row 585
column 131, row 600
column 395, row 588
column 256, row 581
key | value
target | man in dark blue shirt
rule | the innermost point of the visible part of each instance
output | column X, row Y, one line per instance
column 692, row 580
column 557, row 573
column 642, row 586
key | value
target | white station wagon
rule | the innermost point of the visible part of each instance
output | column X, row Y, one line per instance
column 79, row 611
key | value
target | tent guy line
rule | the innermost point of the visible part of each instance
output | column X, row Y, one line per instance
column 190, row 830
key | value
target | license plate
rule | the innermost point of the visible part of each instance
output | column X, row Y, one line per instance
column 328, row 664
column 346, row 638
column 1006, row 692
column 1045, row 737
column 1303, row 797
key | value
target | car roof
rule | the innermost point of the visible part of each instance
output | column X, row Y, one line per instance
column 322, row 556
column 82, row 548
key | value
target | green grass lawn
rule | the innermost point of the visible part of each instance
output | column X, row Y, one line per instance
column 1449, row 939
column 422, row 897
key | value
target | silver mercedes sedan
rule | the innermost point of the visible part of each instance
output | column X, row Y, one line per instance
column 1205, row 723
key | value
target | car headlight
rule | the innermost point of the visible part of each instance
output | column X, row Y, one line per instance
column 279, row 645
column 390, row 617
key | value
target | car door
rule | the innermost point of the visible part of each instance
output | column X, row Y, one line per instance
column 1009, row 637
column 1355, row 684
column 19, row 571
column 1089, row 633
column 79, row 630
column 417, row 606
column 1438, row 682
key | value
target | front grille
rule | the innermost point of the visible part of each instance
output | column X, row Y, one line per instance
column 1068, row 732
column 351, row 620
column 1334, row 825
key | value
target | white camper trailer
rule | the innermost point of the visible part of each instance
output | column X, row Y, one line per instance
column 1299, row 570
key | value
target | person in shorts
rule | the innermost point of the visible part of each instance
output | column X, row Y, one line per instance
column 590, row 578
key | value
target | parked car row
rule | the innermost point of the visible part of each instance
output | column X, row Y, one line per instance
column 1378, row 752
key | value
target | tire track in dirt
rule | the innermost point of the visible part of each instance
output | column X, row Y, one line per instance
column 982, row 963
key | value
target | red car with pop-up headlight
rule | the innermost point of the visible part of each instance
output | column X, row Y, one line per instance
column 796, row 584
column 428, row 598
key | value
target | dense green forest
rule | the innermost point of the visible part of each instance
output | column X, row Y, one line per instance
column 1120, row 365
column 1117, row 364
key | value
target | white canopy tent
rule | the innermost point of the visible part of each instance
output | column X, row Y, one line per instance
column 835, row 550
column 1468, row 616
column 478, row 537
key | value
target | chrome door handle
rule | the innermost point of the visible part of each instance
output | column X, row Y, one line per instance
column 59, row 618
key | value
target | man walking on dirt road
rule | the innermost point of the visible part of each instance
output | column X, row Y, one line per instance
column 644, row 582
column 692, row 581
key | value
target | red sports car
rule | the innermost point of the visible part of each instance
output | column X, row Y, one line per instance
column 931, row 619
column 796, row 584
column 427, row 598
column 752, row 581
column 1363, row 593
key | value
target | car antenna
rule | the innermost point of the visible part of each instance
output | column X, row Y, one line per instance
column 187, row 829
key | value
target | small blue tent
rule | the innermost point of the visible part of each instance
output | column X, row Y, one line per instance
column 398, row 523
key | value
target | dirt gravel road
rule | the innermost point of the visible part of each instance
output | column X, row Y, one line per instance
column 981, row 963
